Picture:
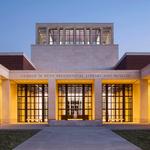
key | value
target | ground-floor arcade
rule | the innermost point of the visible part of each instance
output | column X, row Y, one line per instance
column 105, row 96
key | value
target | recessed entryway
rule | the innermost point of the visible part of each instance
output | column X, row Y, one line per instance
column 74, row 101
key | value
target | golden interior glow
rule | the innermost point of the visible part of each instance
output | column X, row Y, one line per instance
column 77, row 94
column 118, row 81
column 29, row 81
column 13, row 97
column 117, row 102
column 72, row 81
column 13, row 103
column 32, row 102
column 149, row 101
column 136, row 95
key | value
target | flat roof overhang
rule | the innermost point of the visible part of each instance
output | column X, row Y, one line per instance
column 16, row 61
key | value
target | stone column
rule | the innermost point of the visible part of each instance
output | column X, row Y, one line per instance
column 84, row 36
column 98, row 99
column 100, row 35
column 74, row 36
column 57, row 36
column 144, row 101
column 136, row 102
column 51, row 99
column 5, row 101
column 90, row 36
column 47, row 35
column 148, row 101
column 64, row 36
column 13, row 103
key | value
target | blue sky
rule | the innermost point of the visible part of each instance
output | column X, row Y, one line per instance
column 131, row 20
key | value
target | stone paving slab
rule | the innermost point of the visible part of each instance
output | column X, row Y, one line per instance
column 76, row 138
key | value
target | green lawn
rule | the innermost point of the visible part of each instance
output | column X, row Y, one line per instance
column 140, row 138
column 9, row 139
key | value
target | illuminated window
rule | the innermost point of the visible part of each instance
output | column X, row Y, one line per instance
column 74, row 101
column 69, row 34
column 61, row 34
column 117, row 102
column 79, row 36
column 95, row 36
column 106, row 36
column 53, row 36
column 32, row 102
column 42, row 36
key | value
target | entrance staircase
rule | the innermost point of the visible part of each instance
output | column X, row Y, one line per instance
column 75, row 123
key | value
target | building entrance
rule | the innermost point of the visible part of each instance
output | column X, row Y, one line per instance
column 74, row 101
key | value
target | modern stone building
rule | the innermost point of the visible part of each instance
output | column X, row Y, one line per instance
column 74, row 74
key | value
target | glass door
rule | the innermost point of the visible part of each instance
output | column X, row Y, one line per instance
column 74, row 101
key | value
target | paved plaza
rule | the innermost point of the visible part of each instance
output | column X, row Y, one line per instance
column 76, row 138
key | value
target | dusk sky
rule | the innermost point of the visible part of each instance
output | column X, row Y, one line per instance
column 131, row 20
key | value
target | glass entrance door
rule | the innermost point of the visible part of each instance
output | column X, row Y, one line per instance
column 74, row 101
column 75, row 108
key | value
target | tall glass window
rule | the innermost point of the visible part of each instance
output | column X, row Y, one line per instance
column 42, row 36
column 96, row 36
column 61, row 33
column 80, row 36
column 69, row 36
column 32, row 102
column 53, row 36
column 117, row 102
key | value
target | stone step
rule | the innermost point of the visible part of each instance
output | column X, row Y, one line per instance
column 75, row 123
